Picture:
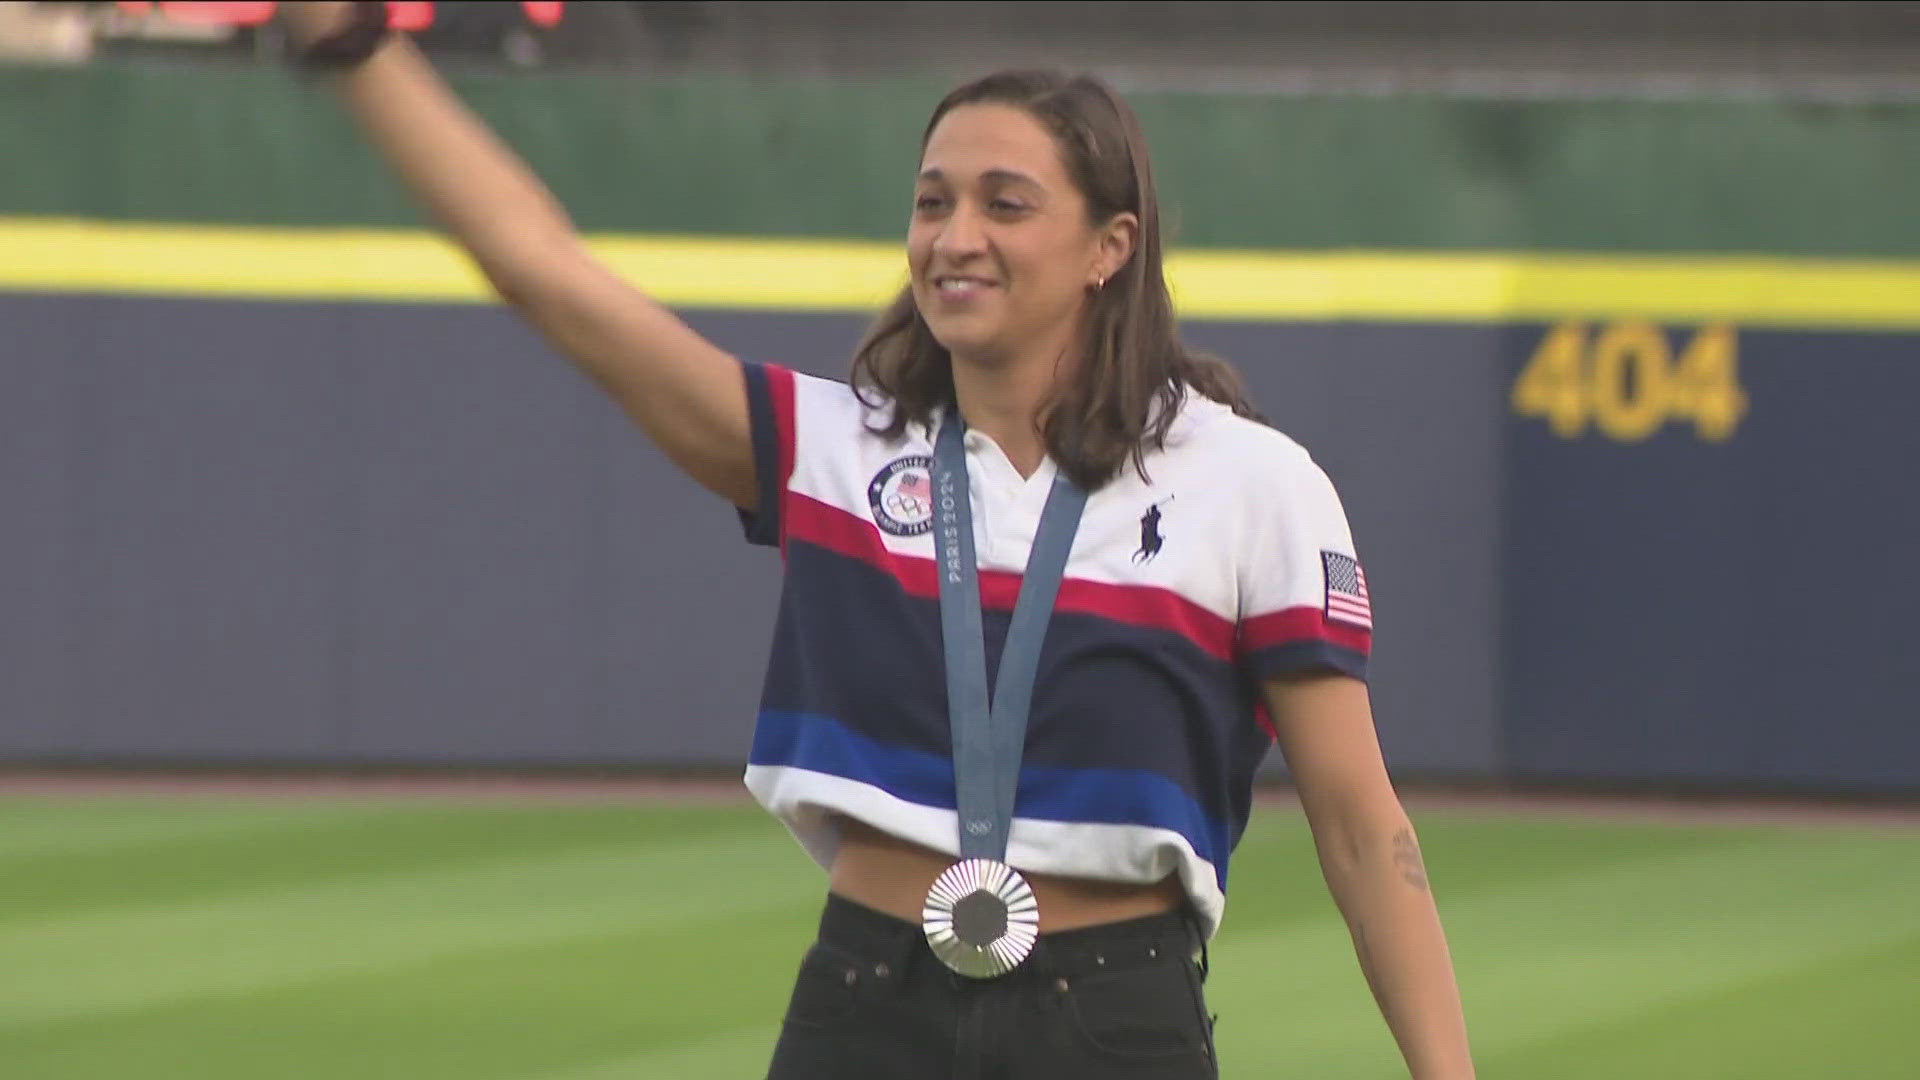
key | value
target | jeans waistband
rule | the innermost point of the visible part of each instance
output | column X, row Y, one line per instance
column 877, row 936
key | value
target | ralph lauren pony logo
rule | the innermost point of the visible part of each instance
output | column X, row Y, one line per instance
column 1150, row 539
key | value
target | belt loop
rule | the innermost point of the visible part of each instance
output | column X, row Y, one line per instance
column 892, row 959
column 910, row 951
column 1199, row 935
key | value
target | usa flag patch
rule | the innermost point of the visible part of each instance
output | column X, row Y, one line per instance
column 1346, row 590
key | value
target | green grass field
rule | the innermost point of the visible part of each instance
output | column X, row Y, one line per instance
column 218, row 940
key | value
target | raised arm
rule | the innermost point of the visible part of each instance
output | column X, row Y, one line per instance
column 685, row 393
column 1373, row 867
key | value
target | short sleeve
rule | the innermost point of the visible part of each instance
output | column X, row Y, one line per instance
column 1303, row 593
column 770, row 411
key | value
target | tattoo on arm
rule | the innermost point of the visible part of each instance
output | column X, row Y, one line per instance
column 1406, row 855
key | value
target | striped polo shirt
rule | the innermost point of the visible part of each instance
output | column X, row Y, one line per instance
column 1231, row 563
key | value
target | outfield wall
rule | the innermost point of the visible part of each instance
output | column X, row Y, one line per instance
column 284, row 494
column 258, row 531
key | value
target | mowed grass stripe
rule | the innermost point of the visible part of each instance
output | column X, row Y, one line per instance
column 1635, row 946
column 61, row 830
column 282, row 851
column 1468, row 852
column 1568, row 935
column 735, row 1054
column 1286, row 983
column 1850, row 1014
column 300, row 1015
column 489, row 1013
column 1543, row 957
column 140, row 957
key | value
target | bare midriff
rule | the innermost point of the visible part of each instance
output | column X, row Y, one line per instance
column 892, row 875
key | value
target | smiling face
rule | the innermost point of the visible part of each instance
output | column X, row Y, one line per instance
column 1000, row 249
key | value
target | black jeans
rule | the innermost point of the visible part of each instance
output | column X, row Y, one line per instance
column 1122, row 1000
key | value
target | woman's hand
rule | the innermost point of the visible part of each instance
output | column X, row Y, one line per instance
column 684, row 392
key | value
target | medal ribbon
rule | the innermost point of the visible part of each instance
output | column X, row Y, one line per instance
column 988, row 737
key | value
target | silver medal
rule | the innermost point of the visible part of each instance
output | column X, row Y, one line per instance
column 981, row 918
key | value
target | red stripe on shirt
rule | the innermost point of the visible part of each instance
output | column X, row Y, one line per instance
column 827, row 526
column 1300, row 624
column 1142, row 605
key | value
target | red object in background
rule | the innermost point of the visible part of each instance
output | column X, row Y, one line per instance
column 233, row 14
column 408, row 15
column 544, row 13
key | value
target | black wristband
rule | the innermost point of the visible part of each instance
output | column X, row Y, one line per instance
column 350, row 46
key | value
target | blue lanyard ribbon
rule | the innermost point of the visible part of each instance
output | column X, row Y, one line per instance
column 988, row 738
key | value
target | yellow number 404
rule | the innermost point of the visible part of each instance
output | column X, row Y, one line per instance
column 1625, row 381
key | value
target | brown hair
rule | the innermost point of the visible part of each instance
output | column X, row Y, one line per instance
column 1134, row 357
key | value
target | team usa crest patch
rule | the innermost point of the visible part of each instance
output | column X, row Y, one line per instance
column 901, row 496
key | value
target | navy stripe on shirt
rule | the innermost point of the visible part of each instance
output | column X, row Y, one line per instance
column 762, row 524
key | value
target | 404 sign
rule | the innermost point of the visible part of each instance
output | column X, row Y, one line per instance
column 1625, row 382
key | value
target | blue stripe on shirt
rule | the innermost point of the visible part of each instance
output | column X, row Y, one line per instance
column 1050, row 793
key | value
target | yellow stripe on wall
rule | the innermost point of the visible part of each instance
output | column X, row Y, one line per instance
column 57, row 255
